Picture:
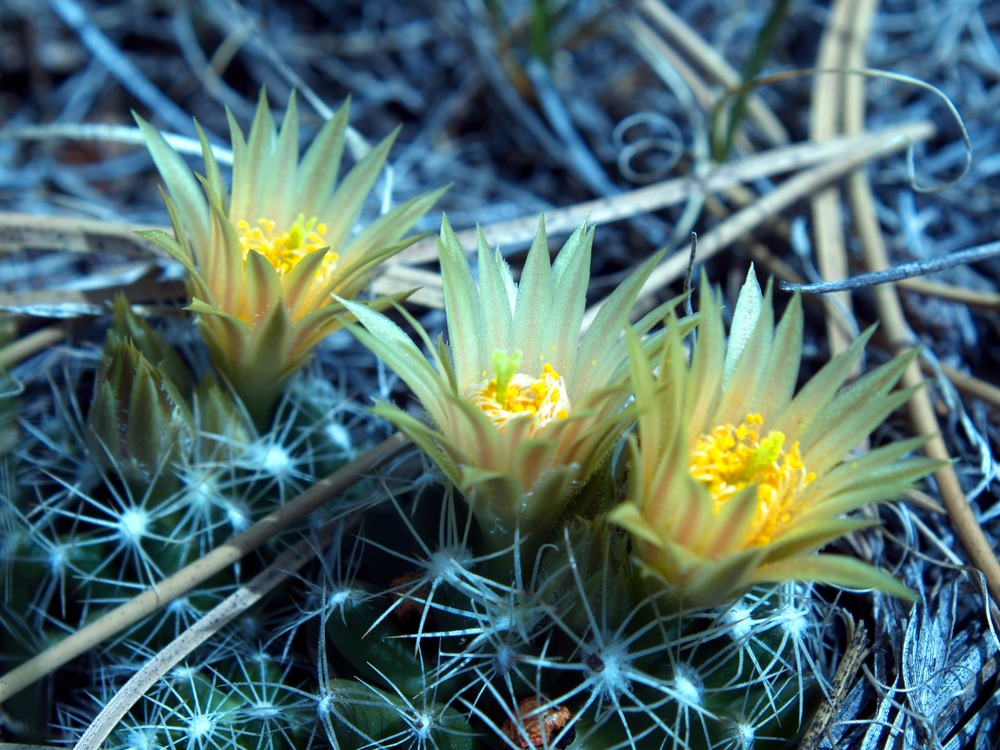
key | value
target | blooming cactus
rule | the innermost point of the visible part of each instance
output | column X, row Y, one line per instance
column 522, row 408
column 264, row 258
column 734, row 480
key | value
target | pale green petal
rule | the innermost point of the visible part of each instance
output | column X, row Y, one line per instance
column 192, row 208
column 387, row 340
column 742, row 395
column 299, row 285
column 261, row 169
column 389, row 228
column 853, row 414
column 462, row 307
column 222, row 265
column 240, row 191
column 317, row 173
column 495, row 286
column 745, row 316
column 820, row 390
column 213, row 177
column 342, row 210
column 262, row 288
column 535, row 321
column 781, row 371
column 278, row 202
column 593, row 366
column 838, row 570
column 704, row 384
column 630, row 517
column 570, row 278
column 875, row 466
column 809, row 535
column 169, row 244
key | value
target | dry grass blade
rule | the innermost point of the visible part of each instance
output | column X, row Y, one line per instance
column 975, row 387
column 29, row 345
column 827, row 102
column 968, row 297
column 201, row 570
column 73, row 235
column 519, row 232
column 793, row 189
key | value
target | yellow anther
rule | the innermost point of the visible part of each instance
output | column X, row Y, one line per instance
column 285, row 249
column 730, row 458
column 513, row 394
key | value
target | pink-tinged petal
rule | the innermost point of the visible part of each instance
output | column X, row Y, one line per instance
column 530, row 459
column 732, row 524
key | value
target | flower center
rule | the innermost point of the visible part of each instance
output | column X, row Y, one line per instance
column 513, row 394
column 285, row 249
column 729, row 458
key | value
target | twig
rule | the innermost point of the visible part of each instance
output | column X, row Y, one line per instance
column 200, row 570
column 901, row 271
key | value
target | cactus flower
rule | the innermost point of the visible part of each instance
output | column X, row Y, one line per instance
column 734, row 479
column 522, row 408
column 264, row 258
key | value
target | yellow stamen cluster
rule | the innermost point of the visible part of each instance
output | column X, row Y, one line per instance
column 285, row 249
column 730, row 458
column 513, row 394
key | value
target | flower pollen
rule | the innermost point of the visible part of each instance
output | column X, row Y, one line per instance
column 285, row 249
column 513, row 394
column 730, row 458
